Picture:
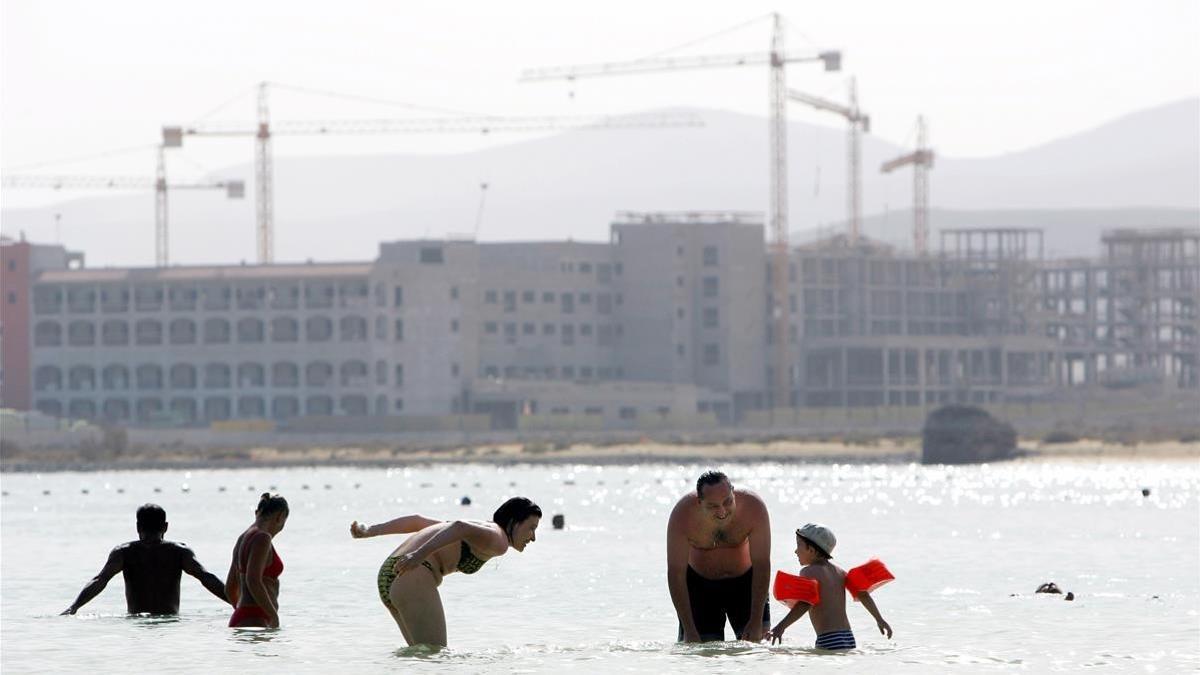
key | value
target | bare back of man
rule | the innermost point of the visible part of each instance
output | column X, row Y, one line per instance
column 718, row 561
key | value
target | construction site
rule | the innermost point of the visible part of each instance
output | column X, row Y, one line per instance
column 682, row 320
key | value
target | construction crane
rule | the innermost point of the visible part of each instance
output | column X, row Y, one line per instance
column 776, row 58
column 234, row 189
column 264, row 130
column 860, row 123
column 922, row 161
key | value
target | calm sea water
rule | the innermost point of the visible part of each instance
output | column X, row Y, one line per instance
column 961, row 541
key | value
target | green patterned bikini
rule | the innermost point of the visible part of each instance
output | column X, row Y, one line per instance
column 468, row 563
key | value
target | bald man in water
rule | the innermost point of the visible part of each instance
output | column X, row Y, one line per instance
column 719, row 561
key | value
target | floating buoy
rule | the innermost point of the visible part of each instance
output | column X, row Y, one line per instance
column 84, row 491
column 465, row 501
column 1145, row 492
column 158, row 489
column 328, row 486
column 120, row 491
column 304, row 487
column 45, row 492
column 558, row 521
column 221, row 488
column 357, row 485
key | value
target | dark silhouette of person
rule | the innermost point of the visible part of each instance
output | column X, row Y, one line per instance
column 151, row 567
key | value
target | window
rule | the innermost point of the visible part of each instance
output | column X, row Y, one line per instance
column 432, row 256
column 619, row 268
column 712, row 354
column 627, row 413
column 547, row 297
column 453, row 370
column 585, row 268
column 568, row 372
column 399, row 330
column 585, row 298
column 529, row 329
column 710, row 256
column 510, row 333
column 399, row 374
column 454, row 292
column 585, row 329
column 528, row 296
column 399, row 404
column 510, row 301
column 710, row 317
column 490, row 328
column 585, row 371
column 568, row 303
column 548, row 329
column 604, row 303
column 568, row 334
column 453, row 325
column 679, row 349
column 679, row 281
column 12, row 297
column 604, row 273
column 710, row 287
column 491, row 297
column 397, row 296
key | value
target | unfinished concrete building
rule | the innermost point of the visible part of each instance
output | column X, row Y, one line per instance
column 1130, row 317
column 887, row 328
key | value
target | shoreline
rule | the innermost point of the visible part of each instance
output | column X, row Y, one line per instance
column 884, row 451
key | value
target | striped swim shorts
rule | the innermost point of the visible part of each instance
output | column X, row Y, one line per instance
column 837, row 639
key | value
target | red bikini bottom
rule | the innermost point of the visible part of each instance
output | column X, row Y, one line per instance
column 240, row 614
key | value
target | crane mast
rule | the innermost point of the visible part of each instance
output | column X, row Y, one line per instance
column 921, row 160
column 859, row 123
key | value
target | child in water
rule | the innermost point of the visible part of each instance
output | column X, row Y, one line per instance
column 826, row 603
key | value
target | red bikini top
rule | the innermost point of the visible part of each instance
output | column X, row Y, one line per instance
column 274, row 567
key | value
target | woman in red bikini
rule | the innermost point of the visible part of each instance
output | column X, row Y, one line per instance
column 252, row 585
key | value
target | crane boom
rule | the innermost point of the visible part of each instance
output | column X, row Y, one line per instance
column 234, row 189
column 832, row 61
column 450, row 125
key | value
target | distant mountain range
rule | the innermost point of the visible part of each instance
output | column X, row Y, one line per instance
column 1142, row 170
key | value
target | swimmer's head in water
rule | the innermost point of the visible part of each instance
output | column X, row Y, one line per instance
column 715, row 493
column 272, row 510
column 151, row 520
column 519, row 517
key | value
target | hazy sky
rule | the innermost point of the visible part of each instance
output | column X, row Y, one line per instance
column 83, row 77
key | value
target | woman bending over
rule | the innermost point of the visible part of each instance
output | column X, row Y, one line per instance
column 409, row 578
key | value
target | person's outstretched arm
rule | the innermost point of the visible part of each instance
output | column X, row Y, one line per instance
column 208, row 579
column 760, row 581
column 678, row 549
column 116, row 560
column 869, row 602
column 401, row 525
column 798, row 610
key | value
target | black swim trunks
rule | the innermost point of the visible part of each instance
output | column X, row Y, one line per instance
column 713, row 600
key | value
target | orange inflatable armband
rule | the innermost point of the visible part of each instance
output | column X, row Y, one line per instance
column 790, row 589
column 867, row 577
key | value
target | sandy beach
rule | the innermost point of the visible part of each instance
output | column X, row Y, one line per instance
column 885, row 451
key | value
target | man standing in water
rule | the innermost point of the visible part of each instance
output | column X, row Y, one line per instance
column 151, row 568
column 719, row 561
